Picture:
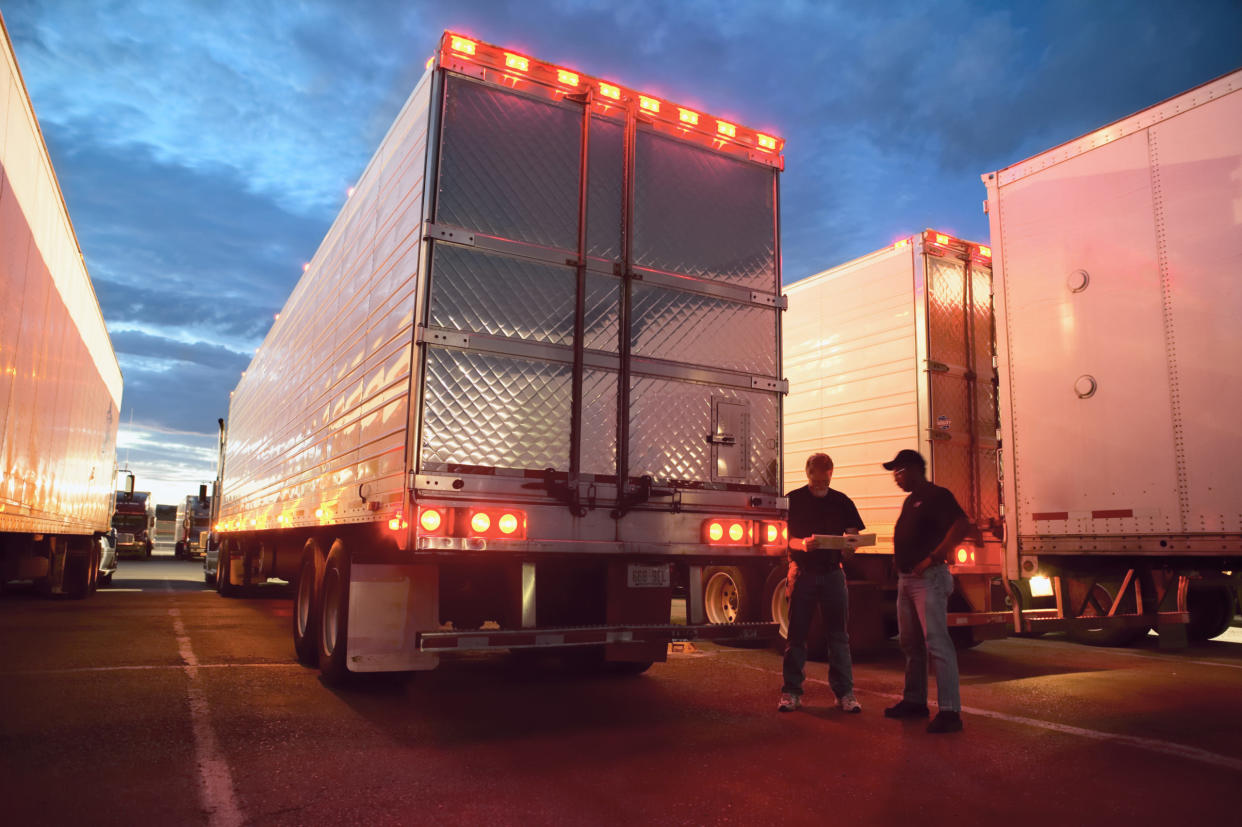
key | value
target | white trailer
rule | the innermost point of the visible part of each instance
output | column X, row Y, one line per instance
column 1118, row 258
column 895, row 350
column 60, row 384
column 529, row 383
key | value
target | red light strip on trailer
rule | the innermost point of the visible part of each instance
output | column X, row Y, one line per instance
column 515, row 68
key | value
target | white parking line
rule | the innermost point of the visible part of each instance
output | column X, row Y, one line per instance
column 215, row 779
column 1149, row 744
column 78, row 669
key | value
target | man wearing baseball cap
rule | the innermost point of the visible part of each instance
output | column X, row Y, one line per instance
column 930, row 526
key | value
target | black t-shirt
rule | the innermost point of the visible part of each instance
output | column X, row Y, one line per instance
column 832, row 513
column 926, row 517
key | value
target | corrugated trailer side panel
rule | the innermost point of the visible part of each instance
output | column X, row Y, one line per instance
column 317, row 424
column 851, row 358
column 1118, row 258
column 60, row 384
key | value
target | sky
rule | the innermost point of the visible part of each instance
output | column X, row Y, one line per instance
column 205, row 146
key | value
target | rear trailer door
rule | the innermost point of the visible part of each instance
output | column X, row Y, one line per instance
column 961, row 414
column 602, row 303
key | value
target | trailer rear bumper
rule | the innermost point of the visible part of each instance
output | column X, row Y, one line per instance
column 464, row 641
column 1038, row 621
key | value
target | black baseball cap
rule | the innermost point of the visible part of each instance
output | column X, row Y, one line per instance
column 906, row 458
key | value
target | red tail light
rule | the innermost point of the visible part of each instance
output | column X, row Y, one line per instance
column 432, row 520
column 773, row 533
column 728, row 531
column 497, row 523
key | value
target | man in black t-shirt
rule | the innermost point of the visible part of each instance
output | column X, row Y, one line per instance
column 816, row 579
column 929, row 528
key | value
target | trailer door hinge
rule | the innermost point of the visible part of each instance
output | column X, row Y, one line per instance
column 763, row 383
column 433, row 336
column 447, row 232
column 779, row 302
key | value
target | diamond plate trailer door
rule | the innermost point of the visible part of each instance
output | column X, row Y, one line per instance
column 599, row 296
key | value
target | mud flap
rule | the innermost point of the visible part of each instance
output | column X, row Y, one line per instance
column 388, row 606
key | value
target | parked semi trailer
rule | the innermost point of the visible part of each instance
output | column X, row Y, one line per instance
column 895, row 350
column 60, row 384
column 166, row 523
column 529, row 383
column 1117, row 260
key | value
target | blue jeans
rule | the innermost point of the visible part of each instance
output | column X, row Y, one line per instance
column 923, row 629
column 829, row 593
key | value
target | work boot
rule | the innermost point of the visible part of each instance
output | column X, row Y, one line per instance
column 789, row 702
column 945, row 721
column 907, row 709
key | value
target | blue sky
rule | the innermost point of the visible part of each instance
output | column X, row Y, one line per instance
column 205, row 147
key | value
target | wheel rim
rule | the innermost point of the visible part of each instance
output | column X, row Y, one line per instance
column 780, row 607
column 331, row 610
column 305, row 585
column 720, row 599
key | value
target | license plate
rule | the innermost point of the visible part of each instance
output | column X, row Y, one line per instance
column 649, row 577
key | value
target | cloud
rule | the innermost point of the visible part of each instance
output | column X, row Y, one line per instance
column 204, row 146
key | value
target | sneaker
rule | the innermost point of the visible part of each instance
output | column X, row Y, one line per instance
column 907, row 709
column 945, row 722
column 789, row 702
column 848, row 703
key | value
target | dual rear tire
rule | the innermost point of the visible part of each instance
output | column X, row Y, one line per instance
column 321, row 615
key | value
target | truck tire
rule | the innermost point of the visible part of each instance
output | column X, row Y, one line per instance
column 333, row 624
column 732, row 594
column 77, row 576
column 1211, row 611
column 224, row 584
column 306, row 614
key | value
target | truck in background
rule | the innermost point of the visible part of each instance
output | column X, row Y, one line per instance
column 895, row 350
column 529, row 381
column 1086, row 422
column 195, row 524
column 60, row 384
column 166, row 524
column 1116, row 259
column 132, row 522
